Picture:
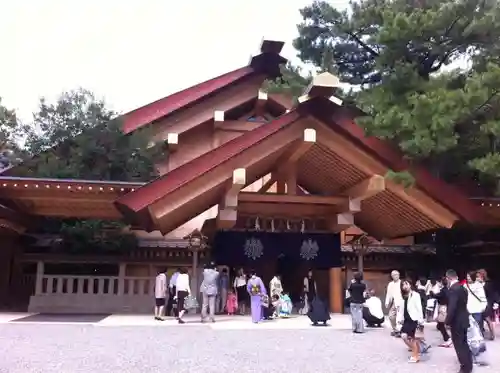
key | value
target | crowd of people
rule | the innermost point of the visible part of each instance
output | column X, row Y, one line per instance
column 460, row 309
column 174, row 297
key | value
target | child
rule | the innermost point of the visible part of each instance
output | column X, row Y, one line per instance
column 285, row 306
column 231, row 303
column 267, row 310
column 275, row 301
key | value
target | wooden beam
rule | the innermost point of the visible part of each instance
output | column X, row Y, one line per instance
column 285, row 210
column 299, row 148
column 260, row 104
column 341, row 222
column 367, row 188
column 267, row 185
column 186, row 119
column 291, row 199
column 286, row 175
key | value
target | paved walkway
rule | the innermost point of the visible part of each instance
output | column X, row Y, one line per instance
column 138, row 344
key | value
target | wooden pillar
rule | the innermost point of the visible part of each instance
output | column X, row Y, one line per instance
column 40, row 270
column 121, row 278
column 336, row 295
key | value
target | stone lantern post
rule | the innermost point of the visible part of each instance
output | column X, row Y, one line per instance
column 360, row 248
column 196, row 242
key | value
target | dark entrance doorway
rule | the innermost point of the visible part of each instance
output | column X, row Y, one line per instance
column 290, row 272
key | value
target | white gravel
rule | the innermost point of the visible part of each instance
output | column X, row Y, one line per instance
column 44, row 348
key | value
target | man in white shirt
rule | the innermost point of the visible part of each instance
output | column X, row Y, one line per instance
column 393, row 299
column 373, row 314
column 160, row 294
column 171, row 295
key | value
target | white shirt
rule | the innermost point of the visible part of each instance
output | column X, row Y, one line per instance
column 374, row 305
column 393, row 295
column 173, row 280
column 161, row 286
column 182, row 283
column 475, row 291
column 240, row 281
column 414, row 308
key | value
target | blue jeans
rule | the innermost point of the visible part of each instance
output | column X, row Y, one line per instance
column 358, row 325
column 480, row 321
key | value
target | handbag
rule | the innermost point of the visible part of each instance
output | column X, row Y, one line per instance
column 190, row 302
column 442, row 312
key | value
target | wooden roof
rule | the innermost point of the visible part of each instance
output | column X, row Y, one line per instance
column 266, row 64
column 64, row 198
column 341, row 158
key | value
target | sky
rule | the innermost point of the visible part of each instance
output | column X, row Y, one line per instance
column 131, row 52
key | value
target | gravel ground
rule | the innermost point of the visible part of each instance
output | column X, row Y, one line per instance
column 38, row 348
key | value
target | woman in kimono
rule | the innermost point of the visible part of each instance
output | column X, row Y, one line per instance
column 256, row 289
column 275, row 287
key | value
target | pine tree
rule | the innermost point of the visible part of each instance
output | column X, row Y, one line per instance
column 427, row 73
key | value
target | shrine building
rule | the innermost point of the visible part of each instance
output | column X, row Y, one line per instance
column 266, row 182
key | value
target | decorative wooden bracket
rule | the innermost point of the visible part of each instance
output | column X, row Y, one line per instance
column 260, row 104
column 172, row 142
column 322, row 85
column 367, row 188
column 227, row 216
column 341, row 222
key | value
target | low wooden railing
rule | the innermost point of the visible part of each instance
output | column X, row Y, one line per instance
column 96, row 285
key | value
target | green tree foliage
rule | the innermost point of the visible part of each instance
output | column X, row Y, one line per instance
column 9, row 136
column 291, row 83
column 79, row 137
column 427, row 73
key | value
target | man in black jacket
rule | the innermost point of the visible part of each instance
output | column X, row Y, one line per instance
column 458, row 319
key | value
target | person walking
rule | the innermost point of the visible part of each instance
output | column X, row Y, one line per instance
column 458, row 319
column 160, row 294
column 411, row 319
column 476, row 300
column 392, row 300
column 492, row 298
column 441, row 296
column 182, row 290
column 171, row 303
column 209, row 292
column 357, row 292
column 240, row 288
column 223, row 287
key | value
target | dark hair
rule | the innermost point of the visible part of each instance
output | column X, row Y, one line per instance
column 224, row 270
column 473, row 275
column 253, row 272
column 210, row 265
column 178, row 269
column 161, row 270
column 433, row 282
column 409, row 281
column 451, row 273
column 358, row 277
column 444, row 281
column 423, row 280
column 183, row 270
column 483, row 273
